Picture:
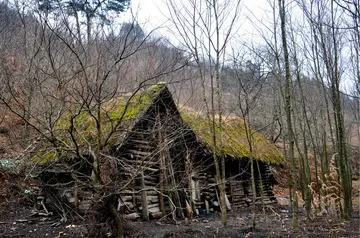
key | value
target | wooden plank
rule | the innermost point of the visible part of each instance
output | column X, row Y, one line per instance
column 145, row 147
column 139, row 161
column 227, row 202
column 143, row 199
column 141, row 153
column 153, row 199
column 150, row 191
column 154, row 209
column 151, row 183
column 137, row 141
column 156, row 215
column 152, row 177
column 153, row 205
column 126, row 198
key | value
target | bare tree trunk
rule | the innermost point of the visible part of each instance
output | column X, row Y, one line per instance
column 290, row 134
column 306, row 180
column 253, row 188
column 88, row 28
column 261, row 188
column 118, row 219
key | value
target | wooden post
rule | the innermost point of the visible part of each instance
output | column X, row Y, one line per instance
column 228, row 205
column 197, row 190
column 193, row 191
column 232, row 183
column 176, row 197
column 144, row 199
column 76, row 197
column 207, row 207
column 162, row 175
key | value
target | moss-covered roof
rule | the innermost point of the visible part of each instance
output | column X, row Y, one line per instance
column 136, row 105
column 131, row 107
column 234, row 138
column 122, row 112
column 125, row 109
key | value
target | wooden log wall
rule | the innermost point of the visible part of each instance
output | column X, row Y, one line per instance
column 139, row 157
column 241, row 194
column 238, row 188
column 147, row 151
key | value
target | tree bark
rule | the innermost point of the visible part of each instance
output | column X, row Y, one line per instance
column 290, row 134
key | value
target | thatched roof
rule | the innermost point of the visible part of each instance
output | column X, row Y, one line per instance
column 134, row 106
column 234, row 138
column 124, row 110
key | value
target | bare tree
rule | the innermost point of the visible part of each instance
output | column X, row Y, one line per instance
column 288, row 103
column 328, row 27
column 247, row 85
column 205, row 28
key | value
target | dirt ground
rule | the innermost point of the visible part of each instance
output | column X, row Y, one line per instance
column 17, row 220
column 275, row 223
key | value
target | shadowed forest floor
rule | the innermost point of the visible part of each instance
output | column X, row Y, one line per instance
column 16, row 220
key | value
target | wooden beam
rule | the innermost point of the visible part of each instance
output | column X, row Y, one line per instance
column 144, row 199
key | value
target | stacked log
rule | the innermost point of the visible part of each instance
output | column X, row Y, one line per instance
column 241, row 194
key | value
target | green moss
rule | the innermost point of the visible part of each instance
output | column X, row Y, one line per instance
column 125, row 108
column 234, row 139
column 44, row 156
column 136, row 105
column 156, row 87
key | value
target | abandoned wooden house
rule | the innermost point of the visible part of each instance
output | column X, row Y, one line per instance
column 172, row 155
column 164, row 160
